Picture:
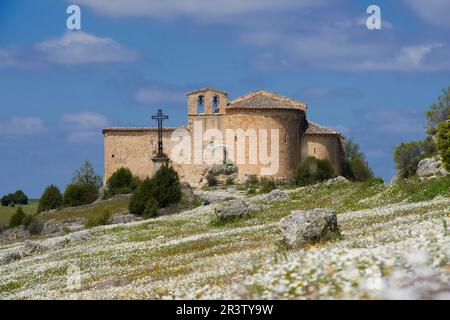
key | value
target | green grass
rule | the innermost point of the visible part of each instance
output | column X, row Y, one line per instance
column 7, row 212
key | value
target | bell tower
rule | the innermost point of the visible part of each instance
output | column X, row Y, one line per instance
column 207, row 101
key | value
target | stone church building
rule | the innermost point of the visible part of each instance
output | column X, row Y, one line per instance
column 294, row 138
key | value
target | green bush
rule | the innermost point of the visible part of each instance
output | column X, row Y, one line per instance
column 79, row 194
column 5, row 201
column 151, row 209
column 101, row 220
column 313, row 170
column 438, row 113
column 20, row 198
column 443, row 143
column 355, row 166
column 121, row 182
column 50, row 199
column 407, row 156
column 252, row 180
column 164, row 188
column 211, row 180
column 141, row 196
column 229, row 181
column 17, row 218
column 266, row 185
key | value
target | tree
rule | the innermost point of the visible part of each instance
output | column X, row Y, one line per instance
column 141, row 196
column 355, row 166
column 313, row 170
column 5, row 201
column 17, row 218
column 20, row 197
column 79, row 194
column 166, row 186
column 439, row 112
column 121, row 182
column 50, row 199
column 407, row 156
column 443, row 143
column 86, row 176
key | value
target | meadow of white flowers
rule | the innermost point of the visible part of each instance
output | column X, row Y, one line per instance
column 386, row 252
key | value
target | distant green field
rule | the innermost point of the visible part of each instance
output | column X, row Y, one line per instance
column 7, row 212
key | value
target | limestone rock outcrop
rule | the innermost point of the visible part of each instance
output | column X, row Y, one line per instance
column 302, row 228
column 430, row 167
column 231, row 209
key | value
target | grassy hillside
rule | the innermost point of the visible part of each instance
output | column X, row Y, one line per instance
column 7, row 212
column 190, row 255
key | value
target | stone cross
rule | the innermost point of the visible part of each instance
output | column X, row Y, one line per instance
column 160, row 117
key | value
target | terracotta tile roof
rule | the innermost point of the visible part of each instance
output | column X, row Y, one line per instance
column 207, row 89
column 263, row 99
column 136, row 129
column 314, row 128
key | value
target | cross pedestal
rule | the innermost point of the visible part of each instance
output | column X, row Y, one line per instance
column 160, row 159
column 158, row 163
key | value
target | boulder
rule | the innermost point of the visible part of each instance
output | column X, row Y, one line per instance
column 274, row 196
column 31, row 248
column 10, row 256
column 257, row 207
column 302, row 228
column 53, row 227
column 230, row 209
column 339, row 179
column 122, row 218
column 187, row 191
column 14, row 234
column 430, row 167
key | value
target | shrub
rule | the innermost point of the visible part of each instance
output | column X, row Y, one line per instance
column 79, row 194
column 86, row 175
column 355, row 166
column 313, row 170
column 141, row 197
column 251, row 191
column 20, row 198
column 438, row 113
column 121, row 182
column 211, row 180
column 166, row 186
column 443, row 143
column 50, row 199
column 266, row 185
column 151, row 208
column 17, row 218
column 252, row 180
column 5, row 201
column 407, row 156
column 101, row 220
column 229, row 181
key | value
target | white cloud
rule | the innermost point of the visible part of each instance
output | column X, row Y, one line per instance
column 76, row 47
column 21, row 126
column 83, row 121
column 204, row 10
column 156, row 95
column 390, row 121
column 436, row 12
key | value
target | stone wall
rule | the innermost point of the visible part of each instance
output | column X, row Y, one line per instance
column 322, row 147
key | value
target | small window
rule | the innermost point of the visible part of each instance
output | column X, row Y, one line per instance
column 285, row 138
column 201, row 104
column 112, row 156
column 215, row 104
column 314, row 150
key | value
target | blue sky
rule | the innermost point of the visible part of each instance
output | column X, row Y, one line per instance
column 59, row 88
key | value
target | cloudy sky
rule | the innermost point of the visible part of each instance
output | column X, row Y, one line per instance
column 59, row 88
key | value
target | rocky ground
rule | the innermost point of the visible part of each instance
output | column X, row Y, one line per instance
column 394, row 243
